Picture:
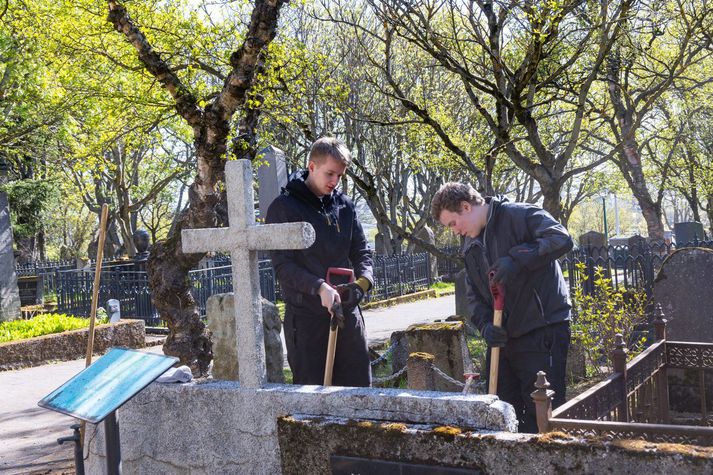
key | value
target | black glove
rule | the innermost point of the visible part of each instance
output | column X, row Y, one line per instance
column 494, row 336
column 504, row 269
column 337, row 319
column 351, row 295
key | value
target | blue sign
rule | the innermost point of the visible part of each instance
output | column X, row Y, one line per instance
column 107, row 384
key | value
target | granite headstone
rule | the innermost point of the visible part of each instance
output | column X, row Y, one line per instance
column 684, row 288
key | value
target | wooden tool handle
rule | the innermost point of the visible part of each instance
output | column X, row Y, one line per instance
column 331, row 350
column 495, row 356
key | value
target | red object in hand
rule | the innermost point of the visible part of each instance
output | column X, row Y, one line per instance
column 339, row 275
column 498, row 291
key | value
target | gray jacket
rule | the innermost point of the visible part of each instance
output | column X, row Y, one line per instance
column 538, row 295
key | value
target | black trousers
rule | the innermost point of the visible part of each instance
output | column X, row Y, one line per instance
column 544, row 349
column 306, row 337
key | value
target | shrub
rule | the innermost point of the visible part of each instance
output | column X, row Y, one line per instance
column 45, row 324
column 599, row 316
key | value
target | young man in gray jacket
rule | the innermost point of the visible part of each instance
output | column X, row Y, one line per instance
column 516, row 245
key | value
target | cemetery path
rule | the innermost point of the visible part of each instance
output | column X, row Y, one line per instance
column 29, row 433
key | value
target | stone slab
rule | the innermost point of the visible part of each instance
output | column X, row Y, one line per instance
column 219, row 427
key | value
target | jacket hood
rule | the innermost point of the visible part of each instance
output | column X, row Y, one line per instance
column 297, row 186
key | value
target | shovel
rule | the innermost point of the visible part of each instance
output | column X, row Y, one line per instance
column 498, row 291
column 336, row 321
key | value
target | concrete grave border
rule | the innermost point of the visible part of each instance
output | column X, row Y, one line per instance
column 197, row 427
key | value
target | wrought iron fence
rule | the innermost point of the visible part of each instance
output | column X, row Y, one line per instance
column 627, row 266
column 399, row 275
column 393, row 276
column 634, row 401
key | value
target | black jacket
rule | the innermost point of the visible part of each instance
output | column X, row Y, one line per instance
column 340, row 242
column 538, row 295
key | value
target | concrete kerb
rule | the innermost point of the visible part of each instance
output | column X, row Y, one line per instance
column 422, row 295
column 228, row 429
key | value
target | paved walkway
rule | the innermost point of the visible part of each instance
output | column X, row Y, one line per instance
column 28, row 433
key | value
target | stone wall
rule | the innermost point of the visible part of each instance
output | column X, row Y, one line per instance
column 307, row 444
column 218, row 427
column 70, row 345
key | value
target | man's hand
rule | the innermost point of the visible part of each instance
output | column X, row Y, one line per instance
column 352, row 293
column 494, row 336
column 329, row 296
column 503, row 270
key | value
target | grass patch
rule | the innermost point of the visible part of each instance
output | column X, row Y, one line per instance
column 443, row 287
column 45, row 324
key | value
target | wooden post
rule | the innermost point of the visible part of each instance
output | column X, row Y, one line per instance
column 619, row 360
column 542, row 396
column 420, row 371
column 97, row 278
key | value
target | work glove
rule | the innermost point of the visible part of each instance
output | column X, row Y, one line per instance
column 352, row 293
column 337, row 319
column 494, row 336
column 504, row 269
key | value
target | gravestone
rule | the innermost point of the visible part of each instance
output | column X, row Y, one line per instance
column 426, row 234
column 142, row 242
column 30, row 289
column 379, row 246
column 595, row 244
column 243, row 239
column 221, row 322
column 9, row 294
column 271, row 177
column 688, row 233
column 637, row 245
column 684, row 288
column 463, row 308
column 113, row 309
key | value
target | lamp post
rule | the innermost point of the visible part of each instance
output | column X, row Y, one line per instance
column 604, row 207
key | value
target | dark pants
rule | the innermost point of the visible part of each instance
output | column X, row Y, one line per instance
column 306, row 337
column 544, row 349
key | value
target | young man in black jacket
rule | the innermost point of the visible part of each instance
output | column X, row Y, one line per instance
column 518, row 245
column 311, row 196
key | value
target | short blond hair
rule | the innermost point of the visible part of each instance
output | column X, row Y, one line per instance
column 451, row 197
column 330, row 147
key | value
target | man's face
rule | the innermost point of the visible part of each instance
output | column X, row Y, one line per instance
column 463, row 222
column 324, row 177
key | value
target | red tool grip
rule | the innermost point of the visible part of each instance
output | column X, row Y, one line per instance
column 498, row 291
column 339, row 271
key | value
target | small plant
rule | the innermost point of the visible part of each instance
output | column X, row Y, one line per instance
column 45, row 324
column 601, row 314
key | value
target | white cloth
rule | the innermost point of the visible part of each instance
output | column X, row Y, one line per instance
column 182, row 374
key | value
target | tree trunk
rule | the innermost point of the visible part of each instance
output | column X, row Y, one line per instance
column 168, row 266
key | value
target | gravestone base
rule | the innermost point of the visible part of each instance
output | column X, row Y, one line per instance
column 445, row 341
column 218, row 427
column 336, row 446
column 221, row 322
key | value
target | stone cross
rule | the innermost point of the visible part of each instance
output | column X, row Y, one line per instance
column 242, row 239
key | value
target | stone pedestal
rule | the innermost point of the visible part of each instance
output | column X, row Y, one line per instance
column 447, row 343
column 420, row 372
column 221, row 322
